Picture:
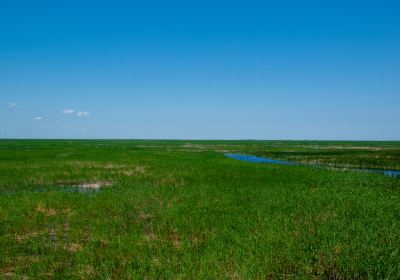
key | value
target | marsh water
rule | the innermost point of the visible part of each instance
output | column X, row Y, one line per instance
column 85, row 188
column 256, row 159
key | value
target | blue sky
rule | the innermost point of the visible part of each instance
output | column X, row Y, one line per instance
column 200, row 69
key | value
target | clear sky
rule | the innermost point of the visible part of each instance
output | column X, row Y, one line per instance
column 200, row 69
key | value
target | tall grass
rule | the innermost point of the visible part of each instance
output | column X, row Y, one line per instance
column 183, row 210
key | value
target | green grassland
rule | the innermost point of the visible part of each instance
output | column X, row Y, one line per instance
column 182, row 210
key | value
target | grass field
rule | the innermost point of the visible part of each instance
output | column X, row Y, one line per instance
column 182, row 210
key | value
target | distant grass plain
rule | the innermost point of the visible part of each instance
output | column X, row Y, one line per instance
column 182, row 210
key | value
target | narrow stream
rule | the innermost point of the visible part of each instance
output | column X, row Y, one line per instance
column 255, row 159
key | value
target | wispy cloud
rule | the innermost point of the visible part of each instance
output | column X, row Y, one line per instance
column 75, row 113
column 82, row 114
column 14, row 105
column 38, row 116
column 68, row 111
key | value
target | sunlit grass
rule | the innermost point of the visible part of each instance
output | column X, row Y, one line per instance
column 176, row 209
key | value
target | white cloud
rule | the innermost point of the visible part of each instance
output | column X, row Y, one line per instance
column 82, row 114
column 76, row 113
column 68, row 111
column 14, row 105
column 39, row 118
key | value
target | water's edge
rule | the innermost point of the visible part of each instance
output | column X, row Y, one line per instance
column 255, row 159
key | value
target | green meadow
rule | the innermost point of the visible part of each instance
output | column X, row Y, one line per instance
column 149, row 209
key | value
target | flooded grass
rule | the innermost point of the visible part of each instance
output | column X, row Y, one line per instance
column 181, row 209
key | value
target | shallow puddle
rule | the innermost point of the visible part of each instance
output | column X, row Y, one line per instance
column 81, row 188
column 89, row 188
